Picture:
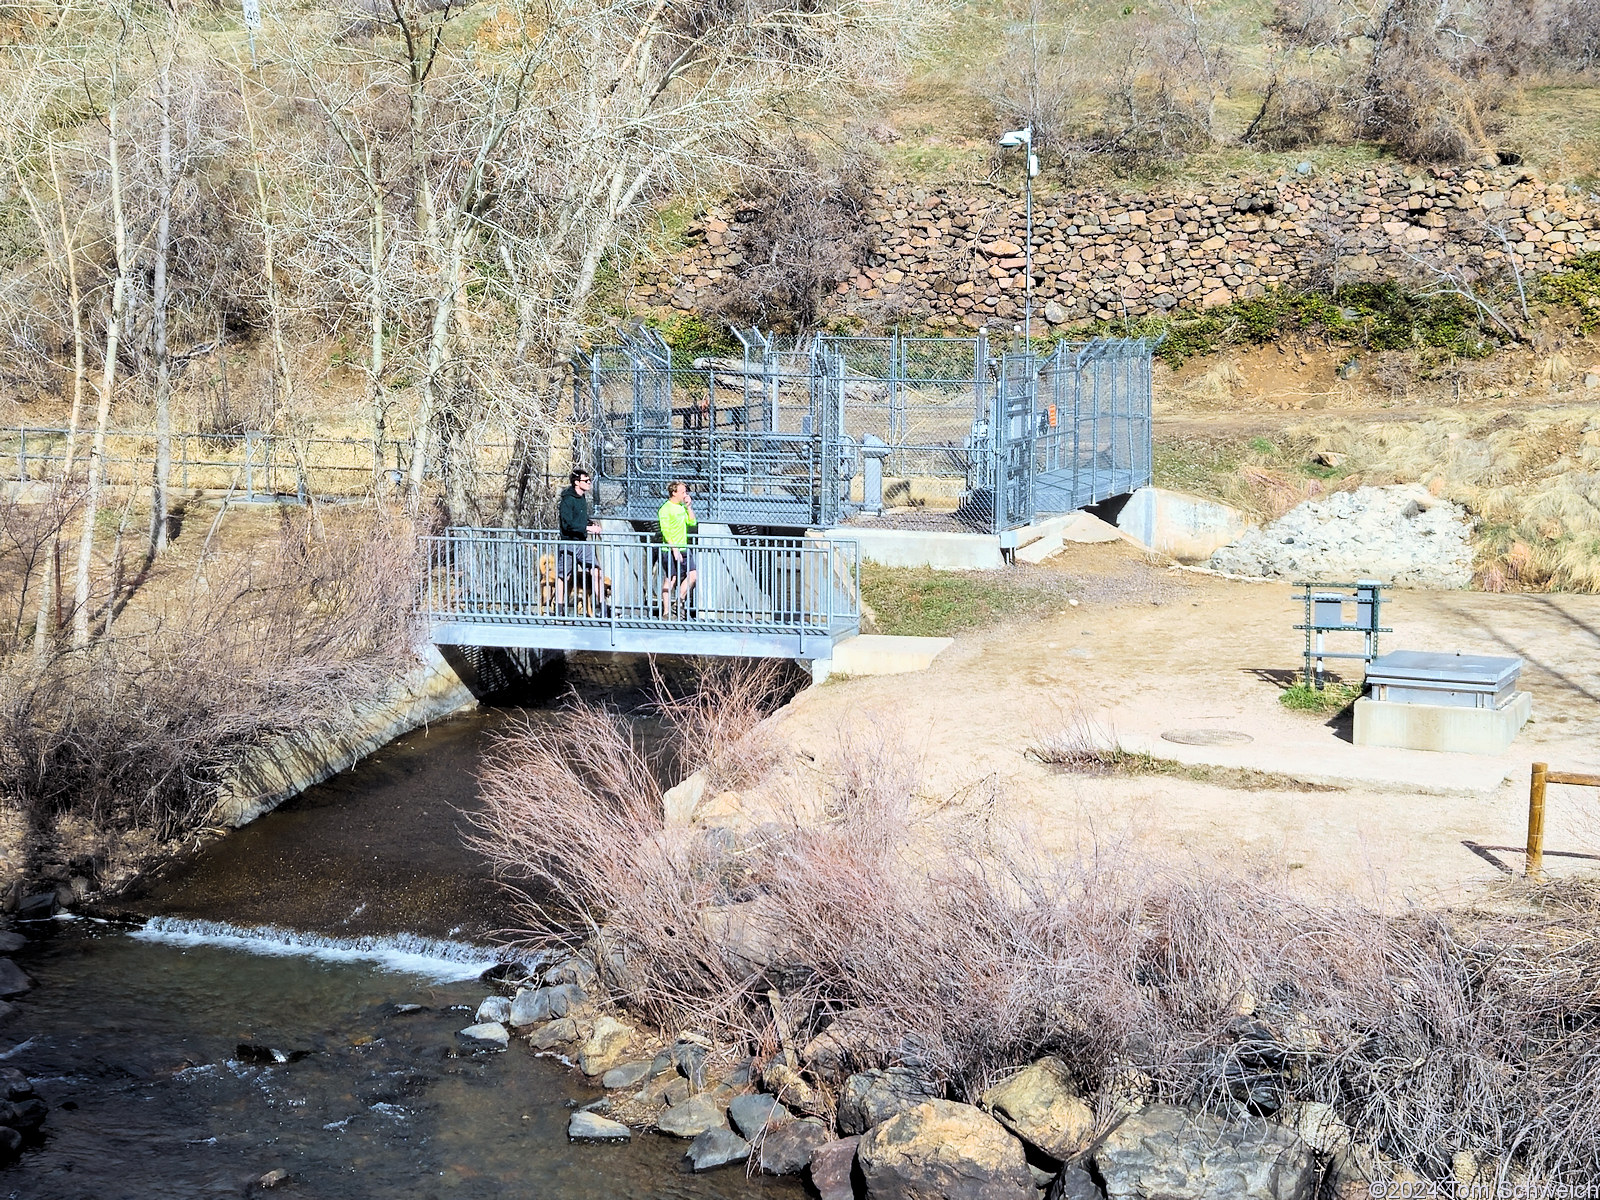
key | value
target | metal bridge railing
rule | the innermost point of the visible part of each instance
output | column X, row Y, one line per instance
column 795, row 587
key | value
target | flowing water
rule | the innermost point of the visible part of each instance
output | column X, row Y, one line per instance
column 290, row 1001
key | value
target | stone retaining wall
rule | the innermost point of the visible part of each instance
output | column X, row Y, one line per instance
column 950, row 256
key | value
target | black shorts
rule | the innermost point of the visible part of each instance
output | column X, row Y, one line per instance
column 572, row 555
column 677, row 563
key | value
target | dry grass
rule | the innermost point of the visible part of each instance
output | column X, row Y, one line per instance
column 914, row 938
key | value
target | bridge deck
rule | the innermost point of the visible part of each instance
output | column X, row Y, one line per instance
column 754, row 597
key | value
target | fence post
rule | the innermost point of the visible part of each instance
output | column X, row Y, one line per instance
column 1534, row 867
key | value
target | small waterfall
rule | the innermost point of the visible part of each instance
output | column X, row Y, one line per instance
column 406, row 954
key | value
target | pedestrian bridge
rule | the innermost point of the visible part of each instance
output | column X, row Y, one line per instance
column 757, row 597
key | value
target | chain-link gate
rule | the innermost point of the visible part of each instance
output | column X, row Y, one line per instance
column 1014, row 435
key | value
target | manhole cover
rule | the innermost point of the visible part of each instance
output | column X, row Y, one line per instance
column 1207, row 737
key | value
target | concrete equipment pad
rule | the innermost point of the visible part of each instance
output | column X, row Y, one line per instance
column 1448, row 728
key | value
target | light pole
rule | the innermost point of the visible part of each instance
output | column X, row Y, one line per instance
column 1011, row 140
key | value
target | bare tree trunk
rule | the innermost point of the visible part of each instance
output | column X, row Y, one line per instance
column 108, row 382
column 377, row 301
column 49, row 597
column 158, row 302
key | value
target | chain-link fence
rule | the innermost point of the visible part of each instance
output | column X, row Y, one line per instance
column 764, row 436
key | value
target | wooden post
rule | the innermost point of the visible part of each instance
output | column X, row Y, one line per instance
column 1534, row 867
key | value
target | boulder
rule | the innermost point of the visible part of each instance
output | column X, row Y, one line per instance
column 690, row 1060
column 1182, row 1155
column 576, row 970
column 1041, row 1105
column 605, row 1047
column 528, row 1007
column 10, row 1144
column 13, row 982
column 717, row 1148
column 796, row 1091
column 489, row 1033
column 941, row 1150
column 751, row 1114
column 627, row 1075
column 666, row 1089
column 586, row 1126
column 679, row 802
column 787, row 1149
column 561, row 1033
column 871, row 1097
column 1074, row 1183
column 832, row 1169
column 691, row 1118
column 11, row 942
column 845, row 1044
column 493, row 1008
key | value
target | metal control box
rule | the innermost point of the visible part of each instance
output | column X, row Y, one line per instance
column 1450, row 680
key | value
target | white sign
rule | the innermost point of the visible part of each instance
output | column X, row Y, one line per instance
column 252, row 15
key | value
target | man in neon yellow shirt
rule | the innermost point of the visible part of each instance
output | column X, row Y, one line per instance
column 676, row 518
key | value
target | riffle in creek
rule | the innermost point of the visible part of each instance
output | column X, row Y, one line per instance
column 286, row 1013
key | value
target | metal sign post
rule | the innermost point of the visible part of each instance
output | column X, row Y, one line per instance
column 1325, row 614
column 252, row 22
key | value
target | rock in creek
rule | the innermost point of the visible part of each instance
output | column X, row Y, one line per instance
column 751, row 1114
column 691, row 1118
column 572, row 970
column 627, row 1075
column 23, row 1115
column 493, row 1008
column 832, row 1169
column 1181, row 1155
column 532, row 1005
column 717, row 1148
column 787, row 1150
column 941, row 1150
column 606, row 1045
column 13, row 982
column 556, row 1034
column 871, row 1097
column 489, row 1034
column 1041, row 1105
column 690, row 1060
column 40, row 906
column 10, row 1144
column 585, row 1126
column 266, row 1056
column 14, row 1084
column 11, row 942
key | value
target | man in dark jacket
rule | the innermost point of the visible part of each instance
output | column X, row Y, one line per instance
column 577, row 526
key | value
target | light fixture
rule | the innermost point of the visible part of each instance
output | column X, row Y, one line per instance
column 1011, row 140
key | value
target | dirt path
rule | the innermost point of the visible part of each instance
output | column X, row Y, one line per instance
column 1148, row 652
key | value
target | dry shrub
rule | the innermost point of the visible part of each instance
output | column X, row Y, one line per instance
column 719, row 722
column 804, row 231
column 135, row 731
column 918, row 943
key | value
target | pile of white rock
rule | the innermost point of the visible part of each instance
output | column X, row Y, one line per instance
column 1399, row 535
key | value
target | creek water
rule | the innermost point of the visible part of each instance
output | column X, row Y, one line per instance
column 289, row 1000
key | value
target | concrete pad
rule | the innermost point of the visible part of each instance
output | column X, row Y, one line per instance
column 1189, row 528
column 1442, row 728
column 921, row 548
column 883, row 654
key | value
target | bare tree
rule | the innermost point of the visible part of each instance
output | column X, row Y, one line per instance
column 108, row 375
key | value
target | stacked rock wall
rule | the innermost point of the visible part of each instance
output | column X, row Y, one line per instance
column 950, row 256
